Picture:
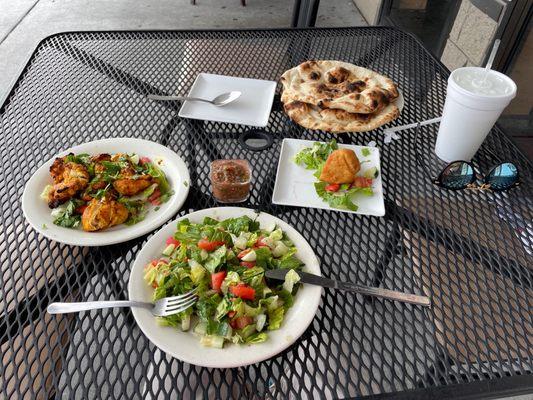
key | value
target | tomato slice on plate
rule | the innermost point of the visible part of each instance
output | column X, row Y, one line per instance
column 206, row 245
column 241, row 322
column 332, row 187
column 243, row 291
column 216, row 280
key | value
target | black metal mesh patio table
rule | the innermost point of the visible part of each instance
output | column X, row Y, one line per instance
column 470, row 251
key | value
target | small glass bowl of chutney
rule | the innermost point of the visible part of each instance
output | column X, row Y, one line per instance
column 230, row 180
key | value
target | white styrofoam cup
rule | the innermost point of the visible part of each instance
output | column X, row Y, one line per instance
column 468, row 117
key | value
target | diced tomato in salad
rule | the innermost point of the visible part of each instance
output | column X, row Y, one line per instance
column 207, row 245
column 172, row 240
column 248, row 264
column 145, row 160
column 241, row 322
column 155, row 197
column 332, row 187
column 216, row 280
column 260, row 243
column 243, row 291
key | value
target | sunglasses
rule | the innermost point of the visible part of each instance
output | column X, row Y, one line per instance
column 459, row 175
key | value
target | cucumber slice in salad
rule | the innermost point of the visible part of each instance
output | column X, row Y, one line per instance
column 371, row 173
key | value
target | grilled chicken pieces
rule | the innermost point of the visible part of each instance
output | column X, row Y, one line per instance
column 111, row 177
column 130, row 183
column 103, row 213
column 69, row 178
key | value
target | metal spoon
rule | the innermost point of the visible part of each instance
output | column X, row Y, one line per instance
column 219, row 101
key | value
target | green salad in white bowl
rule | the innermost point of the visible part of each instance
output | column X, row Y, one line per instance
column 225, row 261
column 224, row 253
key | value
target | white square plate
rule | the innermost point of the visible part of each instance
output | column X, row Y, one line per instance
column 252, row 108
column 294, row 184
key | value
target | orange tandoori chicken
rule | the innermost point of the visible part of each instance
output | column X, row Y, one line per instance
column 103, row 213
column 131, row 183
column 69, row 179
column 104, row 190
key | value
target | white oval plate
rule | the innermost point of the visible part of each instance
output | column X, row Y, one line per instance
column 185, row 345
column 400, row 101
column 38, row 214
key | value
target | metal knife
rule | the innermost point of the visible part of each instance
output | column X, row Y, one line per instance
column 352, row 287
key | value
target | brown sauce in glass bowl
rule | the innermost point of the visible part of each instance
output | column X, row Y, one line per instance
column 230, row 180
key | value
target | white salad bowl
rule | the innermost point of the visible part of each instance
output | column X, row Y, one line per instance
column 186, row 345
column 38, row 215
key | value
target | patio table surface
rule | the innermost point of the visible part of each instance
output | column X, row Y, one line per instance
column 470, row 251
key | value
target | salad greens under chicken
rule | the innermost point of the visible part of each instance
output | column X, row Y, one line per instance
column 226, row 260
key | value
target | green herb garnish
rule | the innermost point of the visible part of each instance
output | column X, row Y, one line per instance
column 66, row 216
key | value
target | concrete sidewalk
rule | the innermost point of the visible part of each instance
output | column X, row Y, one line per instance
column 24, row 23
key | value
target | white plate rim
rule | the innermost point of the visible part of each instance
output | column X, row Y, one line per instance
column 325, row 206
column 308, row 295
column 398, row 102
column 261, row 124
column 30, row 196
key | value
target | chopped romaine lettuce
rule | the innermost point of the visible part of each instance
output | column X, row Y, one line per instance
column 215, row 259
column 291, row 278
column 275, row 317
column 235, row 303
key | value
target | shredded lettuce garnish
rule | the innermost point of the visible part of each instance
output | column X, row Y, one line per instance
column 315, row 156
column 66, row 215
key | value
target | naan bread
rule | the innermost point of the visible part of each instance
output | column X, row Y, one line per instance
column 337, row 121
column 339, row 85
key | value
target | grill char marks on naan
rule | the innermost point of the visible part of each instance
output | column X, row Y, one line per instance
column 339, row 85
column 337, row 121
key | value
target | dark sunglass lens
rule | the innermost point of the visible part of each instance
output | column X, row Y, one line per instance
column 457, row 175
column 502, row 176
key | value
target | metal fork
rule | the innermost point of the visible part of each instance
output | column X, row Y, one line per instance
column 161, row 308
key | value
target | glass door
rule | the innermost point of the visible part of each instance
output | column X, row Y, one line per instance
column 429, row 20
column 517, row 119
